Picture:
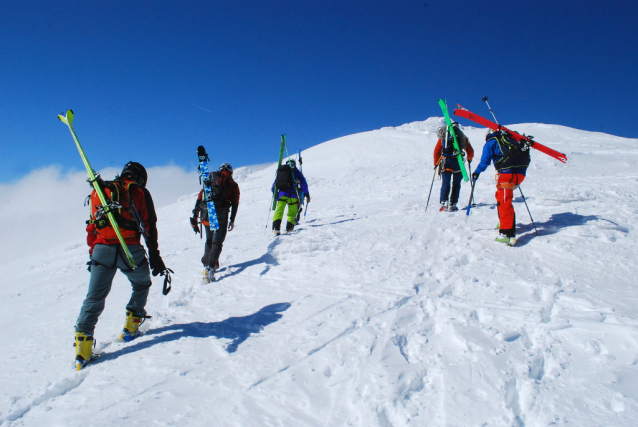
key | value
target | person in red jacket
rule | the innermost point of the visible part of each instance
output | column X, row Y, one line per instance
column 107, row 255
column 226, row 199
column 446, row 156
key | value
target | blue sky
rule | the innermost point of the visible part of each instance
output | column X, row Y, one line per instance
column 151, row 80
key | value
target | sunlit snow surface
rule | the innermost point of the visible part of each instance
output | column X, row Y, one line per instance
column 373, row 313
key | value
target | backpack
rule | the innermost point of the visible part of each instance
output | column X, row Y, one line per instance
column 117, row 195
column 219, row 184
column 449, row 144
column 285, row 179
column 515, row 153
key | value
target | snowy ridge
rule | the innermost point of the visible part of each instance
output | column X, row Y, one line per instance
column 373, row 313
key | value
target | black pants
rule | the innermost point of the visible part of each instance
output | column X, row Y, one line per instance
column 215, row 240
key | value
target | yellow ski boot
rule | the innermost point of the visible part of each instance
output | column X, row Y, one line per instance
column 84, row 344
column 209, row 275
column 131, row 327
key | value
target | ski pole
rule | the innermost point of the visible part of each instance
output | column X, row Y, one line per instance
column 530, row 214
column 432, row 185
column 471, row 202
column 488, row 106
column 267, row 220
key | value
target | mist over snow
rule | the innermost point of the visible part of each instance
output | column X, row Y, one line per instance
column 373, row 313
column 46, row 208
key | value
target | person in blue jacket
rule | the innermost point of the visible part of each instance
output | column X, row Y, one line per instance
column 511, row 159
column 291, row 187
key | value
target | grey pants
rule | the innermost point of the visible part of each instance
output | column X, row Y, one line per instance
column 105, row 261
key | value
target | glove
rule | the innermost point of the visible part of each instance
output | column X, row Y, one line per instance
column 308, row 197
column 475, row 176
column 194, row 224
column 231, row 225
column 156, row 262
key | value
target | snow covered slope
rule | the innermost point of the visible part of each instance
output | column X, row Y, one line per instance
column 375, row 313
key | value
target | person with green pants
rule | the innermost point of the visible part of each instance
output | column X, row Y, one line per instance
column 291, row 187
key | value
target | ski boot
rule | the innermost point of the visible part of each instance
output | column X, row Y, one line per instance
column 84, row 344
column 289, row 227
column 276, row 226
column 453, row 208
column 209, row 274
column 443, row 206
column 509, row 241
column 131, row 327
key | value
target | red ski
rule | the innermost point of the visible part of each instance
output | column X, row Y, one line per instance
column 462, row 112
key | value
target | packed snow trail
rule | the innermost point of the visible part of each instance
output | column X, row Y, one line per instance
column 372, row 313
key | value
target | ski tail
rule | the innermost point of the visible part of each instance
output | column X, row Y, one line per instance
column 448, row 122
column 93, row 179
column 550, row 152
column 205, row 181
column 282, row 148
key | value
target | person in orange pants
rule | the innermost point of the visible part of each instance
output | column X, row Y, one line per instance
column 511, row 160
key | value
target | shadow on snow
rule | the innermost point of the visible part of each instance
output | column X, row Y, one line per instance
column 555, row 223
column 237, row 329
column 266, row 258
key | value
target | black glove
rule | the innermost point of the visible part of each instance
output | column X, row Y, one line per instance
column 194, row 224
column 156, row 262
column 475, row 176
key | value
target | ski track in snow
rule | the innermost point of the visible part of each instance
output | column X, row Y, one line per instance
column 372, row 313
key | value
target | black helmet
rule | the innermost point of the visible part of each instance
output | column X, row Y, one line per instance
column 135, row 171
column 226, row 167
column 292, row 162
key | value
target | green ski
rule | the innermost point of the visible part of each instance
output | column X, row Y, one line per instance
column 281, row 157
column 450, row 129
column 93, row 179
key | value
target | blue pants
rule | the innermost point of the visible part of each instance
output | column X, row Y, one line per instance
column 105, row 261
column 446, row 177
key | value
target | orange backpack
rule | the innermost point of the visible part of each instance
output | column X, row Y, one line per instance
column 118, row 198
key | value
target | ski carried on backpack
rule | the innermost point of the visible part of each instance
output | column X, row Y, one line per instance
column 94, row 180
column 281, row 157
column 204, row 178
column 463, row 112
column 450, row 128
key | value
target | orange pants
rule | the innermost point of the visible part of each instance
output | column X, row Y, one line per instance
column 506, row 183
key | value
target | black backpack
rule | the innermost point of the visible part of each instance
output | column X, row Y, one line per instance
column 515, row 153
column 285, row 179
column 219, row 184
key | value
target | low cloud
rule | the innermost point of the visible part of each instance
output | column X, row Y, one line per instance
column 46, row 208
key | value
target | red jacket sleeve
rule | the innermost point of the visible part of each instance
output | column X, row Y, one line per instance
column 469, row 150
column 233, row 198
column 91, row 237
column 437, row 151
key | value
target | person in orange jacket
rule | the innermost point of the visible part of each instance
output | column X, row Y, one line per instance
column 131, row 196
column 446, row 157
column 226, row 199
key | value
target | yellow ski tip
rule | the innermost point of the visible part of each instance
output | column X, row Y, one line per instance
column 68, row 119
